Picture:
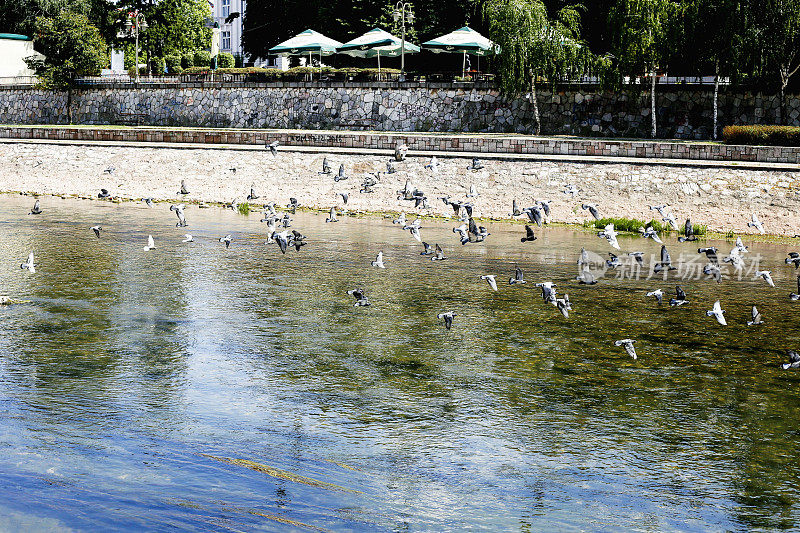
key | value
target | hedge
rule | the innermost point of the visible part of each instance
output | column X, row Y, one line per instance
column 157, row 66
column 187, row 60
column 173, row 62
column 257, row 74
column 762, row 135
column 226, row 60
column 202, row 58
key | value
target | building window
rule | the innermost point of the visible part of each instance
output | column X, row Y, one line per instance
column 226, row 40
column 226, row 8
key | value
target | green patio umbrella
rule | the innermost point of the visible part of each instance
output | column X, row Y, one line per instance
column 307, row 42
column 377, row 43
column 462, row 41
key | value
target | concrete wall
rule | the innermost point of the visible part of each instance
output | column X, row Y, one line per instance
column 681, row 114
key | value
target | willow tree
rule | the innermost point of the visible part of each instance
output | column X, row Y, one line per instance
column 534, row 47
column 640, row 40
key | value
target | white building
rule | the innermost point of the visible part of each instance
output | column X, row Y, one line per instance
column 13, row 51
column 230, row 33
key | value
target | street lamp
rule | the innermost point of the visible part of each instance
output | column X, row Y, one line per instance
column 402, row 10
column 133, row 24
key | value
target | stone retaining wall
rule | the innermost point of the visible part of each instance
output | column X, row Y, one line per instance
column 486, row 144
column 683, row 114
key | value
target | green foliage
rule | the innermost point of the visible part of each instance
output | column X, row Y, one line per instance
column 201, row 58
column 174, row 26
column 762, row 135
column 631, row 224
column 157, row 66
column 173, row 63
column 243, row 208
column 71, row 46
column 225, row 60
column 187, row 60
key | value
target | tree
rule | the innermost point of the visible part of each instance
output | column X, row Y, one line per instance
column 641, row 40
column 71, row 47
column 774, row 43
column 533, row 46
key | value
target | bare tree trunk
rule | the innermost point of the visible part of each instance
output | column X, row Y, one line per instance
column 716, row 100
column 535, row 103
column 653, row 104
column 782, row 102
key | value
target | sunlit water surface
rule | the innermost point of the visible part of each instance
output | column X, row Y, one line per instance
column 133, row 382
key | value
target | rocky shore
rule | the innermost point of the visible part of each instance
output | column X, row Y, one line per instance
column 721, row 198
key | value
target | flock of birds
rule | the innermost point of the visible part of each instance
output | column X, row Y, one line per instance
column 469, row 231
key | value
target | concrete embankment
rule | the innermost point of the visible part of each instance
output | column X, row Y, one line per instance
column 720, row 195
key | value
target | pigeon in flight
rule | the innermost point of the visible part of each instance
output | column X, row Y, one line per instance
column 476, row 164
column 428, row 249
column 756, row 318
column 711, row 254
column 718, row 313
column 515, row 211
column 400, row 220
column 739, row 246
column 534, row 214
column 332, row 216
column 448, row 318
column 36, row 210
column 638, row 257
column 628, row 345
column 767, row 276
column 563, row 305
column 713, row 271
column 187, row 238
column 433, row 164
column 794, row 360
column 390, row 168
column 658, row 294
column 273, row 147
column 179, row 212
column 610, row 235
column 326, row 168
column 29, row 264
column 518, row 277
column 650, row 233
column 378, row 261
column 473, row 192
column 669, row 218
column 794, row 258
column 183, row 190
column 439, row 255
column 688, row 232
column 361, row 298
column 491, row 281
column 666, row 261
column 755, row 223
column 104, row 194
column 571, row 190
column 150, row 244
column 345, row 197
column 679, row 299
column 592, row 210
column 341, row 175
column 148, row 202
column 586, row 277
column 96, row 230
column 227, row 240
column 400, row 152
column 794, row 296
column 109, row 170
column 613, row 261
column 253, row 195
column 548, row 291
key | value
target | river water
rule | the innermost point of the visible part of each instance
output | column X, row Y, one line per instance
column 202, row 388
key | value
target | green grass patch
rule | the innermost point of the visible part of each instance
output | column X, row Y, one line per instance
column 629, row 224
column 762, row 134
column 243, row 208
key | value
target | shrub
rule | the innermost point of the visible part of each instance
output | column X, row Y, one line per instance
column 187, row 60
column 761, row 134
column 202, row 58
column 225, row 60
column 173, row 63
column 196, row 70
column 631, row 224
column 238, row 60
column 243, row 208
column 157, row 66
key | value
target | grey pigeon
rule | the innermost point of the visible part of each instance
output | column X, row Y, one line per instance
column 628, row 345
column 448, row 318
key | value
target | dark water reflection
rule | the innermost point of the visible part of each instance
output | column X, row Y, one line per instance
column 130, row 371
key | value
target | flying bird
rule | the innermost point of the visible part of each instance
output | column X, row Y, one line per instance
column 29, row 264
column 755, row 223
column 658, row 294
column 35, row 210
column 326, row 168
column 400, row 152
column 628, row 345
column 794, row 360
column 718, row 313
column 679, row 299
column 227, row 240
column 517, row 279
column 666, row 261
column 378, row 261
column 253, row 195
column 610, row 235
column 273, row 147
column 150, row 244
column 332, row 216
column 476, row 164
column 104, row 193
column 448, row 318
column 439, row 255
column 187, row 238
column 756, row 317
column 341, row 175
column 688, row 232
column 767, row 276
column 592, row 210
column 183, row 190
column 96, row 230
column 361, row 298
column 491, row 281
